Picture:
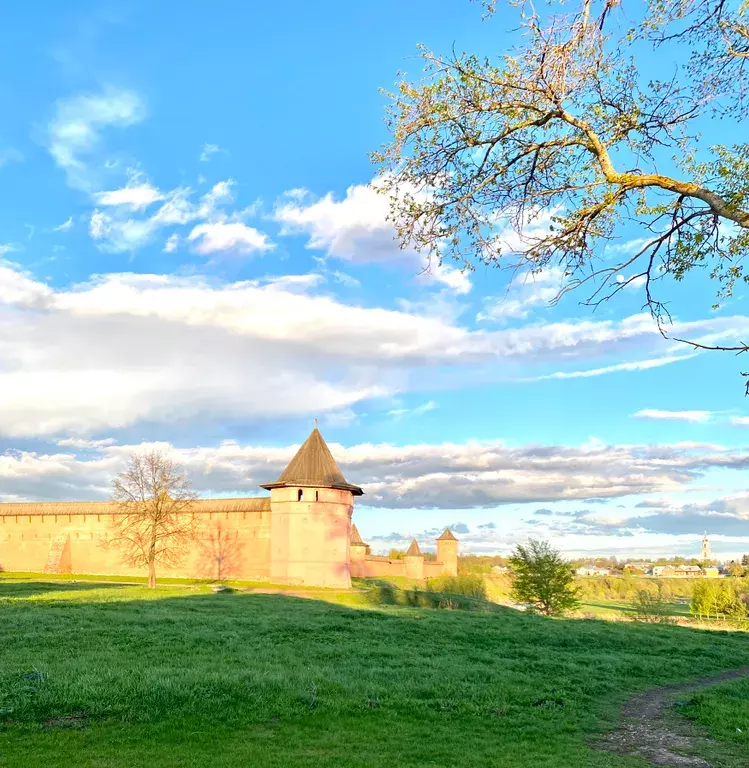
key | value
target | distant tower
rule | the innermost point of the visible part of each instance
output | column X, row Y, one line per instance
column 311, row 505
column 414, row 561
column 357, row 546
column 706, row 554
column 447, row 552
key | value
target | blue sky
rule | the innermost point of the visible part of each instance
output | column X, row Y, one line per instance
column 191, row 256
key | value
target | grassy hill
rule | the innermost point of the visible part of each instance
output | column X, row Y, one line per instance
column 104, row 675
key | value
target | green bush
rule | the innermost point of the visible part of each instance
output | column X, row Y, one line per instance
column 472, row 599
column 651, row 605
column 468, row 584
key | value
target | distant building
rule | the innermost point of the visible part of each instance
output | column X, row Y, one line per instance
column 592, row 570
column 706, row 554
column 677, row 571
column 644, row 567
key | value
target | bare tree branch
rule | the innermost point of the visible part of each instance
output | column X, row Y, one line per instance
column 154, row 521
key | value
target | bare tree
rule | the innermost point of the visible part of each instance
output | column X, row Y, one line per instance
column 153, row 522
column 542, row 156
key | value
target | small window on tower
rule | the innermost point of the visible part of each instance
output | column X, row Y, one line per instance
column 317, row 495
column 299, row 495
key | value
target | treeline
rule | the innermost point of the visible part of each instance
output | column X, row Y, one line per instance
column 480, row 563
column 726, row 598
column 625, row 588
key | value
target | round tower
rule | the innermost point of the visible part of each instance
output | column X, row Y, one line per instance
column 414, row 562
column 447, row 552
column 358, row 549
column 311, row 506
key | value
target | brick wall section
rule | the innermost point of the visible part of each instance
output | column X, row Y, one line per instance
column 233, row 540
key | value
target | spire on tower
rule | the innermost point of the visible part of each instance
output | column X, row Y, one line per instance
column 705, row 547
column 313, row 466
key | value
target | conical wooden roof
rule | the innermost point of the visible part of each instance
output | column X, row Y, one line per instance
column 414, row 550
column 356, row 536
column 314, row 466
column 448, row 535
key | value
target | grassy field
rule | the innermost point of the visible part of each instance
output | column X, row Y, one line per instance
column 722, row 711
column 105, row 675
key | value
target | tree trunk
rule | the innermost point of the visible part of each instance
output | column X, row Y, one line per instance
column 152, row 575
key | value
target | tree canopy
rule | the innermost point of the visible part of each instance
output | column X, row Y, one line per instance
column 542, row 579
column 539, row 157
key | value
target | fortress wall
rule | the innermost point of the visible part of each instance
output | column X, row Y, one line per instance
column 229, row 544
column 374, row 566
column 432, row 569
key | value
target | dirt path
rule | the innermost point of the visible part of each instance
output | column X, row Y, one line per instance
column 648, row 732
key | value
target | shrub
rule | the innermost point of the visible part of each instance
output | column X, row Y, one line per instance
column 651, row 606
column 385, row 593
column 469, row 584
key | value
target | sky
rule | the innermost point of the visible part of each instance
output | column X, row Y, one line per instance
column 191, row 257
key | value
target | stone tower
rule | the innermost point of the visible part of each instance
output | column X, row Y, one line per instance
column 414, row 561
column 311, row 506
column 358, row 548
column 447, row 552
column 706, row 554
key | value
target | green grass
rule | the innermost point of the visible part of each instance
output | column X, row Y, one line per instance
column 108, row 675
column 163, row 581
column 616, row 609
column 722, row 711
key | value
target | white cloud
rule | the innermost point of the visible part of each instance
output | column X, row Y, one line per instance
column 228, row 236
column 740, row 421
column 693, row 417
column 430, row 405
column 66, row 226
column 20, row 289
column 526, row 292
column 627, row 247
column 135, row 196
column 74, row 134
column 346, row 280
column 357, row 229
column 207, row 151
column 118, row 229
column 124, row 349
column 220, row 194
column 172, row 243
column 456, row 280
column 7, row 248
column 631, row 282
column 86, row 445
column 446, row 476
column 636, row 365
column 530, row 228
